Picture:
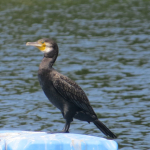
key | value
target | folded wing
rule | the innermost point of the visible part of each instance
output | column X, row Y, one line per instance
column 72, row 92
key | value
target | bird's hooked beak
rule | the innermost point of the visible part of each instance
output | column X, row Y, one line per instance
column 33, row 44
column 40, row 45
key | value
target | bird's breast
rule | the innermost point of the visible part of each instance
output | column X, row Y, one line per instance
column 46, row 83
column 43, row 76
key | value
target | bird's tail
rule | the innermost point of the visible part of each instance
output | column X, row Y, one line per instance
column 104, row 129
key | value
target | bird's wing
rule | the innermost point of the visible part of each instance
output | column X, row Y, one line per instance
column 72, row 92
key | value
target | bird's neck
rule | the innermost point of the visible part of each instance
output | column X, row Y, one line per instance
column 47, row 63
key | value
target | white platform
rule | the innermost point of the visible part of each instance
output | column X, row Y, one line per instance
column 24, row 140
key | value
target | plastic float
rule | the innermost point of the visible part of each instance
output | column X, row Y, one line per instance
column 25, row 140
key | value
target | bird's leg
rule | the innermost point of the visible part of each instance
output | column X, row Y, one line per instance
column 66, row 127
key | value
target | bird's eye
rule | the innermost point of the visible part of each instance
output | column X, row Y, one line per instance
column 42, row 42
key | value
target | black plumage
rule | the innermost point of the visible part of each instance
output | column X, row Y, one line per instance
column 62, row 92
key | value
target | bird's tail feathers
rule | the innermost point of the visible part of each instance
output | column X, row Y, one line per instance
column 104, row 129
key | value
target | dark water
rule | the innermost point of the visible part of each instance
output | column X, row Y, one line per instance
column 104, row 46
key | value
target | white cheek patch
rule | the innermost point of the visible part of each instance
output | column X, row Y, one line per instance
column 48, row 49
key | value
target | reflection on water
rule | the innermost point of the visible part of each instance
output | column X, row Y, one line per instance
column 104, row 47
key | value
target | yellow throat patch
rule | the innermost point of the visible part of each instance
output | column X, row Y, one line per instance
column 41, row 48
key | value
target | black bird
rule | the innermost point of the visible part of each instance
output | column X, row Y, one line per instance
column 62, row 92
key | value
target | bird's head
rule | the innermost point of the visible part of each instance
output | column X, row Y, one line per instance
column 47, row 46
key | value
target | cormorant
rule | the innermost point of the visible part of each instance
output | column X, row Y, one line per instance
column 62, row 92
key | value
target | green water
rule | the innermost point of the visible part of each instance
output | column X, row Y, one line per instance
column 103, row 46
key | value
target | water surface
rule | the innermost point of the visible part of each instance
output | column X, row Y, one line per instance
column 103, row 46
